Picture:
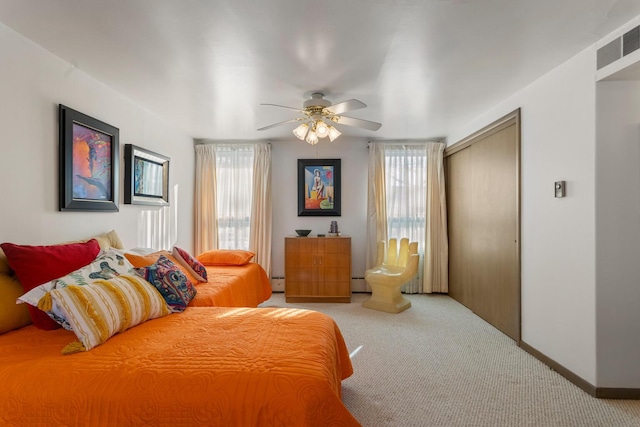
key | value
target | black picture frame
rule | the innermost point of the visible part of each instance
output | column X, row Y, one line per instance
column 138, row 164
column 326, row 173
column 88, row 163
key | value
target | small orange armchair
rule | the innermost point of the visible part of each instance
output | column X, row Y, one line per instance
column 393, row 269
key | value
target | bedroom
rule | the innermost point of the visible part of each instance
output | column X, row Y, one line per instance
column 564, row 316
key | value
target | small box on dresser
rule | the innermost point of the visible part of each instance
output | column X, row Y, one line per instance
column 317, row 269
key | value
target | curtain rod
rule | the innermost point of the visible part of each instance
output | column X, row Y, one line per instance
column 409, row 141
column 229, row 142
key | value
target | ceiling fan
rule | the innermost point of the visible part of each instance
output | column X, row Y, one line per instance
column 318, row 115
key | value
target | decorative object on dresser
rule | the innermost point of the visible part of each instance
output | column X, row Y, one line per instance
column 319, row 187
column 318, row 269
column 333, row 229
column 146, row 177
column 303, row 233
column 88, row 159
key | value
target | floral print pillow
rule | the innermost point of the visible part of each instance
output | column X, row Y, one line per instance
column 170, row 281
column 190, row 263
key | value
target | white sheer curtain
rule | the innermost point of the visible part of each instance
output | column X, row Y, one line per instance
column 233, row 198
column 406, row 193
column 406, row 199
column 234, row 175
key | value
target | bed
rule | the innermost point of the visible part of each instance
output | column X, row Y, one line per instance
column 232, row 280
column 206, row 366
column 233, row 286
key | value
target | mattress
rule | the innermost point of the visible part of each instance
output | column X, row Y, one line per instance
column 233, row 286
column 207, row 366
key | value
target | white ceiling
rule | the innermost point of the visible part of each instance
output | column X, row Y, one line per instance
column 421, row 66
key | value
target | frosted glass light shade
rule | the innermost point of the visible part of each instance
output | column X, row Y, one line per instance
column 312, row 138
column 322, row 130
column 333, row 133
column 301, row 131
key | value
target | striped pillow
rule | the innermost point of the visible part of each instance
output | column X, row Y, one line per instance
column 104, row 308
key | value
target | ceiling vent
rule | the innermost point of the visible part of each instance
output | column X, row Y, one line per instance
column 618, row 48
column 631, row 41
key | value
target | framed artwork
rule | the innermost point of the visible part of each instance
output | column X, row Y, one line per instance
column 319, row 187
column 146, row 177
column 88, row 163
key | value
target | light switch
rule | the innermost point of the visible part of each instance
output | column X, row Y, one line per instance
column 560, row 188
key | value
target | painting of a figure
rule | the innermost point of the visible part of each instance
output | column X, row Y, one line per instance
column 91, row 164
column 319, row 187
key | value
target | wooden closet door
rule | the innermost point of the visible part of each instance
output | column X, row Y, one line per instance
column 483, row 219
column 458, row 191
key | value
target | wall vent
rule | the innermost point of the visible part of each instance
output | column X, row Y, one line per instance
column 609, row 53
column 631, row 41
column 619, row 47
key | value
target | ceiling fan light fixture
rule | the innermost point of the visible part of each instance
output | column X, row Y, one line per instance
column 318, row 116
column 312, row 138
column 333, row 133
column 322, row 130
column 301, row 131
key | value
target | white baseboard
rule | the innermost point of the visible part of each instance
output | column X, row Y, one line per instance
column 357, row 285
column 277, row 284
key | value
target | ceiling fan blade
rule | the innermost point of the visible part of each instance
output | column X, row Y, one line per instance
column 284, row 106
column 278, row 124
column 343, row 107
column 366, row 124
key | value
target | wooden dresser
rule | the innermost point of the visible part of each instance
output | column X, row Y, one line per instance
column 317, row 269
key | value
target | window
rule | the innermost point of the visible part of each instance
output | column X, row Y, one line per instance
column 234, row 176
column 233, row 198
column 406, row 191
column 407, row 199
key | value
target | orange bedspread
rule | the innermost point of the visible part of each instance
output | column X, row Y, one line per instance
column 204, row 367
column 233, row 286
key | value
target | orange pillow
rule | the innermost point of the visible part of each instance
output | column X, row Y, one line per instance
column 225, row 257
column 140, row 261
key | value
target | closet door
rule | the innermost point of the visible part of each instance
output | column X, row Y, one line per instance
column 483, row 194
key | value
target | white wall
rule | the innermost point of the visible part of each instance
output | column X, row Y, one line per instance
column 618, row 233
column 353, row 222
column 33, row 83
column 558, row 235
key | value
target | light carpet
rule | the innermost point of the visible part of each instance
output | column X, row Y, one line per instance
column 438, row 364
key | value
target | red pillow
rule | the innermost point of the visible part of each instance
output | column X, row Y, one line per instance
column 35, row 265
